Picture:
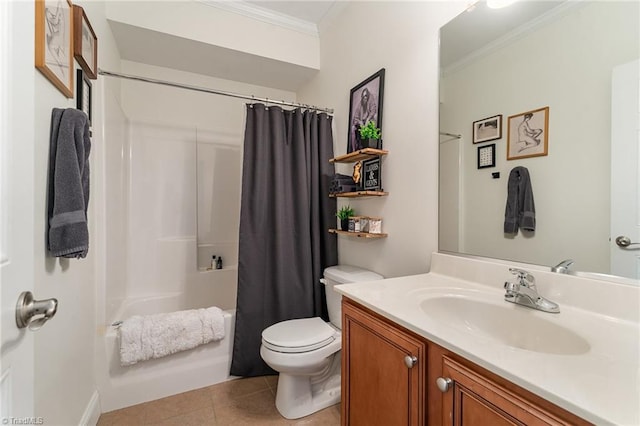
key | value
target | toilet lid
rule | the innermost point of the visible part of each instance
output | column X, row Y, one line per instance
column 299, row 335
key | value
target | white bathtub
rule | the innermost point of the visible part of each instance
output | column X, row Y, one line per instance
column 157, row 378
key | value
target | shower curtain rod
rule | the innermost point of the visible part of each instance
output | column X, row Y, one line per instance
column 453, row 135
column 215, row 92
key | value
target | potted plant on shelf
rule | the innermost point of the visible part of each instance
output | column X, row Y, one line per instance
column 344, row 214
column 370, row 136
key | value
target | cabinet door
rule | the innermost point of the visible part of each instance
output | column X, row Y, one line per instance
column 473, row 399
column 379, row 384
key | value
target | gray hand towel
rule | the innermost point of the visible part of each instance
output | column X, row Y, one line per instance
column 68, row 196
column 520, row 210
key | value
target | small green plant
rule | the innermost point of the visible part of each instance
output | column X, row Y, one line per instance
column 345, row 213
column 370, row 131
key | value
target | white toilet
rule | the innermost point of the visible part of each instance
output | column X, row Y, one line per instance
column 306, row 352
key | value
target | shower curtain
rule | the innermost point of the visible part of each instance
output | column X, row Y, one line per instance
column 284, row 216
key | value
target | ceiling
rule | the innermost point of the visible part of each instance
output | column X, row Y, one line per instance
column 155, row 48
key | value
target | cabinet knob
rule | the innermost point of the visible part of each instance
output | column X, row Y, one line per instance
column 444, row 383
column 410, row 361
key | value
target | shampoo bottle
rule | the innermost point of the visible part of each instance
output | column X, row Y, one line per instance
column 219, row 263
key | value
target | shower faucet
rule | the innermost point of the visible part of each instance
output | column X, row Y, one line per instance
column 562, row 267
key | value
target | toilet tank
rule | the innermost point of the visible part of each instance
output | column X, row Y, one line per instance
column 342, row 274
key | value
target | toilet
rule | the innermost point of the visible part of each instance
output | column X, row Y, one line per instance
column 306, row 352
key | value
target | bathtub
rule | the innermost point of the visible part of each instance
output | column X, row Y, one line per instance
column 145, row 381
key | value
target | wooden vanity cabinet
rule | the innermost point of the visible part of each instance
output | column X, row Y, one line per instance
column 385, row 371
column 379, row 389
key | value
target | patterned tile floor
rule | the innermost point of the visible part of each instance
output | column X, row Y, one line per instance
column 239, row 402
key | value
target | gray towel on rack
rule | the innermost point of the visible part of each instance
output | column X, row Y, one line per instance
column 520, row 210
column 68, row 196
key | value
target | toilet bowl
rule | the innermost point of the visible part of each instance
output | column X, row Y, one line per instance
column 306, row 352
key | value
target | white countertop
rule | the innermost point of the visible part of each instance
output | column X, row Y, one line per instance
column 601, row 385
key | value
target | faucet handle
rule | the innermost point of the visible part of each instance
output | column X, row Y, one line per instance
column 524, row 277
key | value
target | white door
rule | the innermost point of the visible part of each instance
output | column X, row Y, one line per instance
column 16, row 212
column 625, row 172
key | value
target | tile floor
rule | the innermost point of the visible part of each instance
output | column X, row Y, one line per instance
column 249, row 401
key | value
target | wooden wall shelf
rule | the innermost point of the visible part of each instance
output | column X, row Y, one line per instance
column 359, row 194
column 362, row 154
column 357, row 234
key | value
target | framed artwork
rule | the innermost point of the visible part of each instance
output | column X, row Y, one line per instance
column 487, row 156
column 487, row 129
column 528, row 134
column 365, row 104
column 85, row 43
column 83, row 100
column 53, row 43
column 372, row 175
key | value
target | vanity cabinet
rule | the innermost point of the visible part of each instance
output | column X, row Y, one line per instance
column 385, row 371
column 442, row 388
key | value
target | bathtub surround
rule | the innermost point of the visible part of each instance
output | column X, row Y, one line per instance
column 68, row 199
column 156, row 336
column 284, row 216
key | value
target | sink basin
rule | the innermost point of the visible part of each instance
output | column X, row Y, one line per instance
column 511, row 325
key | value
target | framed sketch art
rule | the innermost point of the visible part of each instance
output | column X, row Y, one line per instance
column 528, row 134
column 365, row 105
column 85, row 43
column 53, row 43
column 487, row 129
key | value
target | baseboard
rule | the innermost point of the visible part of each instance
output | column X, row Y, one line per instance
column 92, row 412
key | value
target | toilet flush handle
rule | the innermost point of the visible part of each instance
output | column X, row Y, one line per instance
column 410, row 361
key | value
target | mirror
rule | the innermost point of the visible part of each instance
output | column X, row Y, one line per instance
column 506, row 62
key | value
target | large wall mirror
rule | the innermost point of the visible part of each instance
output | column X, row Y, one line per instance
column 579, row 59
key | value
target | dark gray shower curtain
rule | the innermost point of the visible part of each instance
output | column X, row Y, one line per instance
column 284, row 216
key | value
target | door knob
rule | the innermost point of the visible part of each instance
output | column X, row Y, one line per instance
column 624, row 241
column 444, row 383
column 410, row 361
column 28, row 308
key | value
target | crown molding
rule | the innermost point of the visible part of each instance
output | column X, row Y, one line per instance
column 514, row 35
column 265, row 15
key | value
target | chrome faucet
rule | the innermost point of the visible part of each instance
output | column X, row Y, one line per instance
column 562, row 267
column 524, row 293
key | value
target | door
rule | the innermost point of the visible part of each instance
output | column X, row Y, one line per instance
column 16, row 209
column 625, row 173
column 384, row 385
column 474, row 400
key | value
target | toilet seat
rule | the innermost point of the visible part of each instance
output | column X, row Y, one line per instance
column 299, row 335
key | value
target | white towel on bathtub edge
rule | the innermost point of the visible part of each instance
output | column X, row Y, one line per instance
column 154, row 336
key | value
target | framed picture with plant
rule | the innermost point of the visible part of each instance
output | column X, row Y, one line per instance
column 365, row 105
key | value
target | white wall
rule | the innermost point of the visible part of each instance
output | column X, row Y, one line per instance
column 401, row 37
column 572, row 184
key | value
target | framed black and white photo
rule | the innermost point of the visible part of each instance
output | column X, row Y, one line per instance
column 83, row 100
column 365, row 105
column 85, row 43
column 487, row 129
column 487, row 156
column 372, row 175
column 528, row 134
column 54, row 43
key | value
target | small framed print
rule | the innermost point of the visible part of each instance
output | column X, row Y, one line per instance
column 487, row 156
column 487, row 129
column 371, row 175
column 85, row 43
column 83, row 101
